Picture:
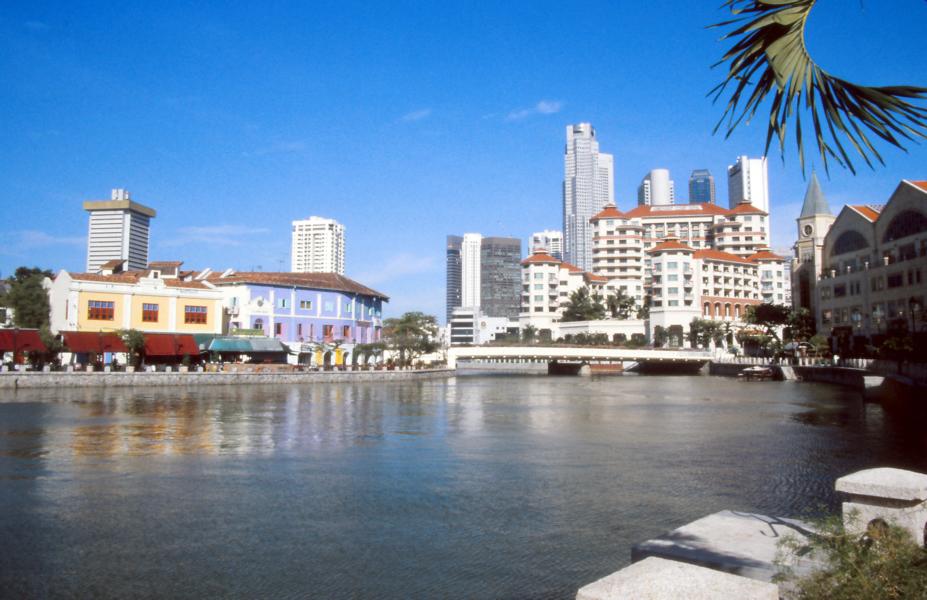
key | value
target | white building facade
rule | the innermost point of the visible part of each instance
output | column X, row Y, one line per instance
column 470, row 273
column 549, row 240
column 588, row 185
column 748, row 180
column 317, row 246
column 118, row 230
column 657, row 189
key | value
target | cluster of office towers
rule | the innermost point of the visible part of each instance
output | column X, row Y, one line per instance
column 484, row 273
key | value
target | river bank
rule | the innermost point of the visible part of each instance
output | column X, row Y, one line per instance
column 36, row 379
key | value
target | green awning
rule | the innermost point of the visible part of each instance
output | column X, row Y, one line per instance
column 246, row 345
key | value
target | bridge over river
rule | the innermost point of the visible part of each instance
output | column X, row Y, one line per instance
column 572, row 359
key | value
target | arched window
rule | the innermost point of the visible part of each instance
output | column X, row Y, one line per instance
column 849, row 241
column 259, row 323
column 906, row 223
column 707, row 309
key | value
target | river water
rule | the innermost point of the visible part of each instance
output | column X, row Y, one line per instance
column 473, row 487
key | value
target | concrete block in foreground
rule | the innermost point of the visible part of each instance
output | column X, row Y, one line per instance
column 660, row 579
column 892, row 495
column 741, row 543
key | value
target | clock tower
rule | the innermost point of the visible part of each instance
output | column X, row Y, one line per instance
column 813, row 224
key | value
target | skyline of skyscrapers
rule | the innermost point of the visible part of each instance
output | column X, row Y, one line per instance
column 588, row 185
column 656, row 189
column 317, row 246
column 118, row 230
column 701, row 187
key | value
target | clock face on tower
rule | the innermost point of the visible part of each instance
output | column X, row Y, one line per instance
column 807, row 230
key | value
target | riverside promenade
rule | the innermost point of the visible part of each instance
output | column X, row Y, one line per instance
column 58, row 379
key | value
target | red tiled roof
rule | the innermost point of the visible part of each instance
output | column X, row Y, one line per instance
column 570, row 268
column 921, row 184
column 20, row 340
column 718, row 255
column 160, row 264
column 320, row 281
column 670, row 245
column 677, row 210
column 745, row 208
column 609, row 212
column 590, row 278
column 169, row 344
column 112, row 264
column 764, row 255
column 869, row 213
column 133, row 277
column 91, row 341
column 540, row 258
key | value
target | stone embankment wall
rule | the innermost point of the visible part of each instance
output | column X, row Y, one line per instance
column 14, row 380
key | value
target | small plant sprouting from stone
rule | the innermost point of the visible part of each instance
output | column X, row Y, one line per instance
column 883, row 563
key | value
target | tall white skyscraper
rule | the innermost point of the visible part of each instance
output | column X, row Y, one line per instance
column 748, row 179
column 588, row 185
column 549, row 240
column 118, row 231
column 318, row 246
column 657, row 189
column 470, row 270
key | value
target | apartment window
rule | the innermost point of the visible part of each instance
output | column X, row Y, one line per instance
column 194, row 314
column 672, row 277
column 305, row 304
column 672, row 265
column 328, row 330
column 281, row 303
column 348, row 309
column 672, row 303
column 840, row 290
column 539, row 275
column 150, row 313
column 539, row 298
column 895, row 280
column 329, row 306
column 299, row 329
column 346, row 331
column 99, row 310
column 278, row 328
column 539, row 286
column 673, row 290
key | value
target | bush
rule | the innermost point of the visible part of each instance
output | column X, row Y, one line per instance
column 885, row 562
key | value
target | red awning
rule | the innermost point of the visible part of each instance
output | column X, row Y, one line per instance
column 169, row 344
column 20, row 340
column 93, row 341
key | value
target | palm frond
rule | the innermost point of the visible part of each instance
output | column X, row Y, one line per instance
column 769, row 55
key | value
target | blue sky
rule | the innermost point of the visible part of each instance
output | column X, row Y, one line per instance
column 405, row 121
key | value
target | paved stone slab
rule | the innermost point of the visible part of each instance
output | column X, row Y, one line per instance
column 735, row 542
column 885, row 482
column 660, row 579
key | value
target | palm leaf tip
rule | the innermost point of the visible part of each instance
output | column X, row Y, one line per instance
column 768, row 55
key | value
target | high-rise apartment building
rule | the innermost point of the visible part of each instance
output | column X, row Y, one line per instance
column 453, row 263
column 318, row 246
column 551, row 241
column 500, row 277
column 701, row 187
column 656, row 189
column 588, row 185
column 748, row 180
column 118, row 230
column 470, row 270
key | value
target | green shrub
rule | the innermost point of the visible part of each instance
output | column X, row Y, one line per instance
column 883, row 563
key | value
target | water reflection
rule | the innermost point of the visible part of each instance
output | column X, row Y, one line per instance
column 473, row 487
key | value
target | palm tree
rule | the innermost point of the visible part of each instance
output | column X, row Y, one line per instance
column 769, row 55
